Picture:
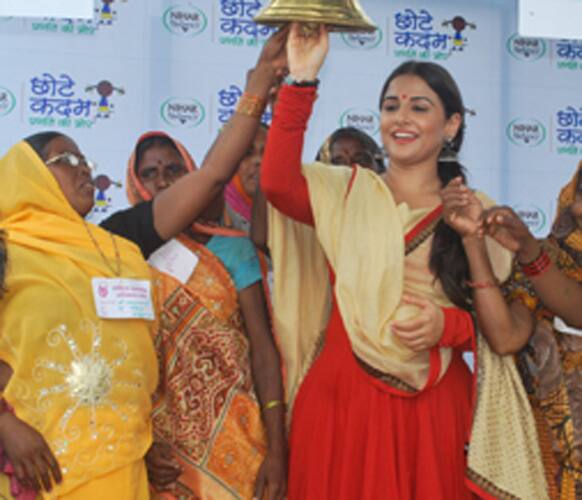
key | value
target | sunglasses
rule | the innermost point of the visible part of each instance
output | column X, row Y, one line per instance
column 72, row 160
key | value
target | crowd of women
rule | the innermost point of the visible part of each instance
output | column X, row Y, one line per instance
column 261, row 328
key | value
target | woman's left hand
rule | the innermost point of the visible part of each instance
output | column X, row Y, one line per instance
column 462, row 210
column 306, row 52
column 425, row 330
column 271, row 482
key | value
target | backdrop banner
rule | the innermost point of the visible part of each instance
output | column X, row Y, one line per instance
column 180, row 65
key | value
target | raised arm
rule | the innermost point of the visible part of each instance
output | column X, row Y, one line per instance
column 281, row 180
column 560, row 294
column 176, row 207
column 507, row 327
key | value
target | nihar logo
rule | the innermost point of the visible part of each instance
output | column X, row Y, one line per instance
column 185, row 20
column 533, row 216
column 7, row 102
column 182, row 112
column 526, row 132
column 363, row 41
column 363, row 119
column 526, row 49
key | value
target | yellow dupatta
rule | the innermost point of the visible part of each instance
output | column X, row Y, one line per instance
column 82, row 382
column 361, row 235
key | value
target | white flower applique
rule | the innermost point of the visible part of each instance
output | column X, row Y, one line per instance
column 88, row 381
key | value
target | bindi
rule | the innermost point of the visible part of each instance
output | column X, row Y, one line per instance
column 403, row 97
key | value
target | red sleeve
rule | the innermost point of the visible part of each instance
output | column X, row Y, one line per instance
column 459, row 329
column 281, row 179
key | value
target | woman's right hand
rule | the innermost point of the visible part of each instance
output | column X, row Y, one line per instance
column 28, row 453
column 306, row 51
column 271, row 66
column 162, row 468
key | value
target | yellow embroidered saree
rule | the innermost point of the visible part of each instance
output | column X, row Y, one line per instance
column 84, row 383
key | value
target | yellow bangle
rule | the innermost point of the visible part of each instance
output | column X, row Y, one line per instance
column 251, row 105
column 273, row 404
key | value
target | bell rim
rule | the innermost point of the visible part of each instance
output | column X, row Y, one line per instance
column 335, row 25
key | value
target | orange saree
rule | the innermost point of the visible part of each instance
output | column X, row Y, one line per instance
column 205, row 406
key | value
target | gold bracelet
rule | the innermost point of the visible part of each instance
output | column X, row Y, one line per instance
column 273, row 404
column 251, row 105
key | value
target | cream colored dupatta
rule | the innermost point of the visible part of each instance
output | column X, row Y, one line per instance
column 361, row 236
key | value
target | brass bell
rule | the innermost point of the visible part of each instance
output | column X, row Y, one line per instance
column 339, row 15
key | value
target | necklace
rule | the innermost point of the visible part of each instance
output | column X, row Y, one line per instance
column 117, row 270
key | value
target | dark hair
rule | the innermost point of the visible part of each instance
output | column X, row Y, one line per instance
column 150, row 142
column 367, row 142
column 447, row 258
column 40, row 141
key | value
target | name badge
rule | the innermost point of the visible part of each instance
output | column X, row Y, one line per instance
column 121, row 298
column 175, row 259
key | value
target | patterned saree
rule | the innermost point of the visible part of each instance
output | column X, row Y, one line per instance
column 205, row 407
column 551, row 363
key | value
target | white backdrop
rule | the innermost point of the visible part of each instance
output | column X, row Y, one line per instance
column 179, row 65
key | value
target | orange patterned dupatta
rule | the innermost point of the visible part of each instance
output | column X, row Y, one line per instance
column 205, row 406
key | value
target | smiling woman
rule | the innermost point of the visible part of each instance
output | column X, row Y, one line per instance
column 382, row 399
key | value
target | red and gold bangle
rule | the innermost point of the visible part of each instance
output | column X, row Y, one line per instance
column 481, row 285
column 251, row 105
column 537, row 266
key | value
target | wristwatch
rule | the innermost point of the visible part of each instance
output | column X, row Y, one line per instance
column 290, row 80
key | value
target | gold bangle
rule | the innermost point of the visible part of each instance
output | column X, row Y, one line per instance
column 251, row 105
column 273, row 404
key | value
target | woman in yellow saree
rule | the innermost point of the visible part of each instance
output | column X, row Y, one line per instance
column 83, row 382
column 215, row 350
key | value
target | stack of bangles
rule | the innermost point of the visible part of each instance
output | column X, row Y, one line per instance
column 537, row 266
column 251, row 105
column 274, row 403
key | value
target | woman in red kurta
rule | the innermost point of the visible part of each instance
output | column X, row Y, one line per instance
column 358, row 432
